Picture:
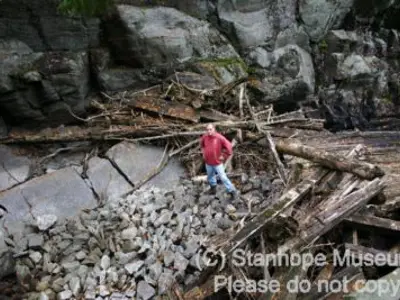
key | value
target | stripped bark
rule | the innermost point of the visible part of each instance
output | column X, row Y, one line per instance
column 337, row 162
column 374, row 223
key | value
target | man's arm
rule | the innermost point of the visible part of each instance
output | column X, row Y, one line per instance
column 227, row 146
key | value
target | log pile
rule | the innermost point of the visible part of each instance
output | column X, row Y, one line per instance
column 303, row 220
column 341, row 193
column 176, row 114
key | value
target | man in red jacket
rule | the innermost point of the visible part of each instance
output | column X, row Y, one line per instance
column 216, row 149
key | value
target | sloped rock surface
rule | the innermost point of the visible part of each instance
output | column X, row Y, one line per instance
column 62, row 193
column 135, row 161
column 106, row 181
column 319, row 16
column 162, row 35
column 39, row 25
column 255, row 23
column 14, row 169
column 359, row 74
column 37, row 87
column 289, row 77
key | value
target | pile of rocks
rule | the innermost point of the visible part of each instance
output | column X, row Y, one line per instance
column 132, row 247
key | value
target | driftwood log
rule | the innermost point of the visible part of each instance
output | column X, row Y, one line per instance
column 333, row 161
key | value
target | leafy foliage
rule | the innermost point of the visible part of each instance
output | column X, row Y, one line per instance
column 87, row 8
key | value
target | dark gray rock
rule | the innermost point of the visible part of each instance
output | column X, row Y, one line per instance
column 191, row 248
column 225, row 223
column 165, row 281
column 290, row 79
column 260, row 58
column 255, row 23
column 36, row 87
column 155, row 270
column 14, row 169
column 35, row 241
column 359, row 77
column 145, row 291
column 105, row 179
column 7, row 262
column 136, row 161
column 62, row 193
column 40, row 25
column 320, row 16
column 180, row 262
column 163, row 35
column 120, row 79
column 294, row 35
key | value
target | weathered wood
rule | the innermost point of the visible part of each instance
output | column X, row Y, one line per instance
column 375, row 223
column 279, row 166
column 283, row 275
column 388, row 208
column 266, row 216
column 165, row 108
column 360, row 251
column 332, row 161
column 351, row 273
column 76, row 133
column 337, row 209
column 212, row 115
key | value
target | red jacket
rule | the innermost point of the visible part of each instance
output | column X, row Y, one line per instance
column 215, row 147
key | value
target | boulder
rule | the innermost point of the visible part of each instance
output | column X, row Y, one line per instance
column 147, row 37
column 40, row 87
column 40, row 25
column 137, row 162
column 120, row 79
column 255, row 23
column 106, row 181
column 380, row 13
column 360, row 75
column 319, row 16
column 294, row 35
column 346, row 109
column 113, row 77
column 7, row 263
column 62, row 193
column 169, row 177
column 289, row 78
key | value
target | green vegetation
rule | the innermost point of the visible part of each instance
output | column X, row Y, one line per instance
column 323, row 46
column 214, row 66
column 229, row 62
column 387, row 99
column 87, row 8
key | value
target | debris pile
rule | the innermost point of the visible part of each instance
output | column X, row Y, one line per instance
column 175, row 114
column 135, row 246
column 307, row 219
column 318, row 200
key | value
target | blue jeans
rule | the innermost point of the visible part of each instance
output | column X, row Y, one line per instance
column 220, row 170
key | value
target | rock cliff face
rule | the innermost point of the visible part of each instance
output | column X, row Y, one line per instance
column 338, row 57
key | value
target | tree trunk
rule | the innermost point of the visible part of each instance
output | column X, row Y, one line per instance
column 337, row 162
